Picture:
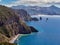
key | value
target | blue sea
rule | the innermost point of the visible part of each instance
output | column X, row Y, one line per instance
column 49, row 32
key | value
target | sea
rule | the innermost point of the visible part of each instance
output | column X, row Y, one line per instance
column 49, row 31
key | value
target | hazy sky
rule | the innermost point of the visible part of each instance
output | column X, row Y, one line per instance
column 10, row 3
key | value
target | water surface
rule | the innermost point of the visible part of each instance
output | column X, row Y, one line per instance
column 49, row 32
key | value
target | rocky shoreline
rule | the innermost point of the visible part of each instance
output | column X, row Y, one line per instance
column 16, row 37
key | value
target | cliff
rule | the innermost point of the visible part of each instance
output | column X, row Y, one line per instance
column 11, row 24
column 23, row 14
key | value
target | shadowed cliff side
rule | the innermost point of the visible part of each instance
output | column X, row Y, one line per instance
column 23, row 14
column 11, row 24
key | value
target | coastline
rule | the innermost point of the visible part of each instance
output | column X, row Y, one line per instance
column 15, row 38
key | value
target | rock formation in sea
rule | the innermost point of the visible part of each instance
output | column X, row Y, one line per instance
column 33, row 29
column 34, row 19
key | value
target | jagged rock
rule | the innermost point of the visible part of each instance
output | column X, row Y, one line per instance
column 33, row 29
column 34, row 19
column 40, row 18
column 23, row 14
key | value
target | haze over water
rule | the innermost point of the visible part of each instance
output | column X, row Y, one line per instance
column 49, row 32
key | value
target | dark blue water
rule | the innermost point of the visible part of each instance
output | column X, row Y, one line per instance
column 49, row 33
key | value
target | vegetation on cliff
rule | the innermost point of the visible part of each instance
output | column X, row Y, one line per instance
column 12, row 24
column 23, row 14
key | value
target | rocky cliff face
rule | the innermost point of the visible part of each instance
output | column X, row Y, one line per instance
column 23, row 14
column 11, row 24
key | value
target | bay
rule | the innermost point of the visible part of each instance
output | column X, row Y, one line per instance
column 49, row 32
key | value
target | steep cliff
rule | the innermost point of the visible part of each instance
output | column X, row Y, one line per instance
column 11, row 24
column 23, row 14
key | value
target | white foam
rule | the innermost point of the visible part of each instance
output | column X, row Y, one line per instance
column 45, row 16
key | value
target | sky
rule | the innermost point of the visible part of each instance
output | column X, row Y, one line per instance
column 42, row 3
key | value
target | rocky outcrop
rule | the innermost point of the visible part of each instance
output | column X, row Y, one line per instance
column 40, row 18
column 3, row 38
column 34, row 19
column 23, row 14
column 12, row 24
column 33, row 29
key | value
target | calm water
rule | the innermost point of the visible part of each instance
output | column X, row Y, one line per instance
column 49, row 33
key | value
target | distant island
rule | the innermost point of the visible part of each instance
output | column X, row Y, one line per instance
column 35, row 10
